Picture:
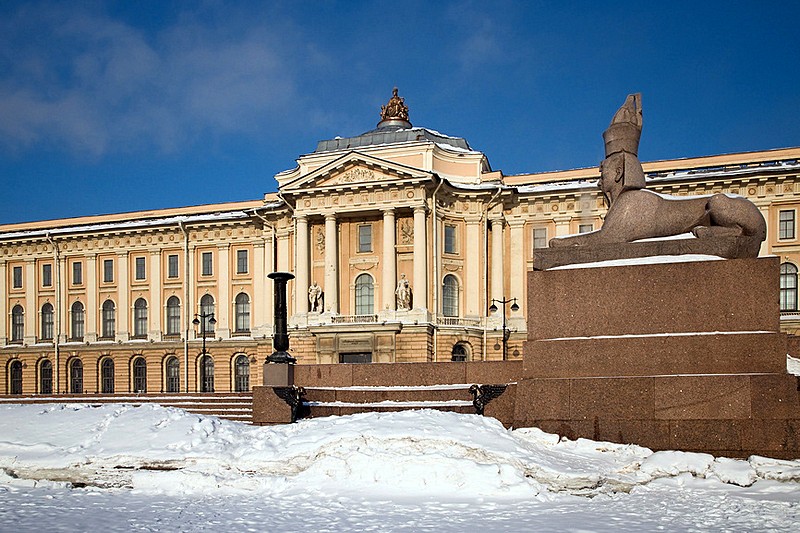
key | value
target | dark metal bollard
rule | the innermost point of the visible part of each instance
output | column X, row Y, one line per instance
column 279, row 368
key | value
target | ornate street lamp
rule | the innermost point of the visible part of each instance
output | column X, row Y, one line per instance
column 200, row 320
column 506, row 331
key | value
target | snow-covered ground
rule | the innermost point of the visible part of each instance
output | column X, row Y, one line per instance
column 124, row 468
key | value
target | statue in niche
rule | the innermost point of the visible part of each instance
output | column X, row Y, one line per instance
column 636, row 213
column 315, row 298
column 403, row 293
column 395, row 108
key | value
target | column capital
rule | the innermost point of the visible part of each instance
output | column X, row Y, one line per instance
column 388, row 209
column 330, row 216
column 123, row 253
column 516, row 222
column 499, row 219
column 420, row 208
column 301, row 216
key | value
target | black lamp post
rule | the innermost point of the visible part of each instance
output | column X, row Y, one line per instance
column 201, row 321
column 506, row 332
column 280, row 341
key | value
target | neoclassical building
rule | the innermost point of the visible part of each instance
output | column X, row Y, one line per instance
column 401, row 239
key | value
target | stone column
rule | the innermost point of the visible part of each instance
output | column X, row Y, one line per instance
column 90, row 323
column 31, row 308
column 389, row 260
column 420, row 286
column 472, row 268
column 4, row 318
column 518, row 269
column 156, row 311
column 122, row 323
column 302, row 267
column 222, row 312
column 497, row 267
column 330, row 289
column 257, row 304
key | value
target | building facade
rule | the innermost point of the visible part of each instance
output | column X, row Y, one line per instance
column 400, row 239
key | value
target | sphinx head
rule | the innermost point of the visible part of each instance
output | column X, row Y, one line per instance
column 620, row 172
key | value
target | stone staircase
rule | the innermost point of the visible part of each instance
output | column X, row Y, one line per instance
column 327, row 401
column 236, row 406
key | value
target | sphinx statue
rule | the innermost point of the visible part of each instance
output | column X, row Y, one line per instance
column 635, row 213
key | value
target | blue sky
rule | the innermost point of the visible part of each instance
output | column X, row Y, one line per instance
column 119, row 106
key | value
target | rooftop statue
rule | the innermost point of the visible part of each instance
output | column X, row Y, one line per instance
column 395, row 109
column 636, row 213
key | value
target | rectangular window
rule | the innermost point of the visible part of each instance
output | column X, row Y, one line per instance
column 365, row 238
column 786, row 224
column 585, row 228
column 47, row 275
column 172, row 266
column 208, row 264
column 108, row 270
column 450, row 239
column 77, row 273
column 241, row 262
column 540, row 237
column 17, row 275
column 140, row 268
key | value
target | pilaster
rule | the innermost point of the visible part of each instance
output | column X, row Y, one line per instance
column 331, row 289
column 223, row 308
column 123, row 300
column 157, row 313
column 420, row 286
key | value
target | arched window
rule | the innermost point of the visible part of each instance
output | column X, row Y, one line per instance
column 17, row 323
column 78, row 318
column 207, row 309
column 46, row 377
column 107, row 376
column 139, row 375
column 173, row 315
column 241, row 372
column 206, row 374
column 459, row 352
column 365, row 295
column 15, row 377
column 788, row 287
column 76, row 376
column 242, row 313
column 140, row 318
column 450, row 296
column 47, row 322
column 109, row 319
column 173, row 368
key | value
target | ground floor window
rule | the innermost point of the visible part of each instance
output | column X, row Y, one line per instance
column 46, row 377
column 241, row 371
column 173, row 374
column 140, row 375
column 76, row 377
column 15, row 377
column 107, row 376
column 459, row 353
column 207, row 374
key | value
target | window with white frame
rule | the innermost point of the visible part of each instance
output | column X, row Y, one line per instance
column 172, row 266
column 242, row 264
column 47, row 321
column 77, row 273
column 108, row 270
column 139, row 269
column 365, row 238
column 242, row 313
column 540, row 237
column 365, row 295
column 16, row 274
column 109, row 319
column 788, row 287
column 173, row 315
column 47, row 275
column 450, row 296
column 17, row 323
column 786, row 224
column 140, row 318
column 585, row 228
column 207, row 309
column 77, row 321
column 450, row 244
column 207, row 259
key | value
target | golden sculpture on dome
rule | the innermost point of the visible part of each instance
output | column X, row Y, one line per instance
column 395, row 109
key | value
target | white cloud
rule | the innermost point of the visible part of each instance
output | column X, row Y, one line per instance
column 88, row 83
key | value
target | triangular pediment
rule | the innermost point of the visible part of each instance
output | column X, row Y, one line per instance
column 355, row 169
